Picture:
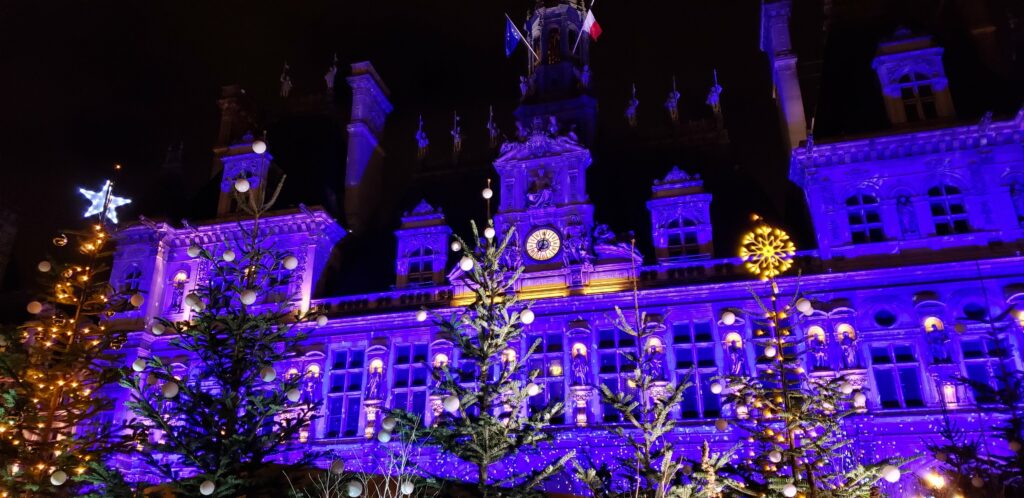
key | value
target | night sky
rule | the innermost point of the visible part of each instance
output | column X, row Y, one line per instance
column 88, row 84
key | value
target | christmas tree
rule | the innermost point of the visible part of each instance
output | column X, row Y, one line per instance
column 485, row 420
column 216, row 429
column 793, row 420
column 652, row 469
column 974, row 466
column 52, row 436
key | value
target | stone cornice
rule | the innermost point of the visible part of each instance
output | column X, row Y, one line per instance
column 309, row 222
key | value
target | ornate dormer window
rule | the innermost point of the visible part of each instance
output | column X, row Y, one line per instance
column 913, row 79
column 131, row 282
column 918, row 97
column 865, row 222
column 421, row 266
column 948, row 211
column 422, row 240
column 681, row 234
column 680, row 216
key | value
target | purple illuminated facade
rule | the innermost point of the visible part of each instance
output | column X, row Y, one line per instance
column 919, row 237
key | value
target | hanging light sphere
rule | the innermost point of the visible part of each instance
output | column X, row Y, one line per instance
column 388, row 423
column 775, row 456
column 337, row 467
column 259, row 146
column 846, row 388
column 451, row 403
column 228, row 255
column 321, row 320
column 789, row 490
column 354, row 488
column 193, row 301
column 194, row 251
column 716, row 388
column 532, row 389
column 891, row 473
column 407, row 487
column 456, row 246
column 728, row 318
column 466, row 263
column 136, row 300
column 34, row 307
column 489, row 233
column 268, row 374
column 977, row 482
column 58, row 477
column 44, row 266
column 139, row 364
column 421, row 316
column 1014, row 446
column 770, row 351
column 487, row 193
column 293, row 395
column 290, row 262
column 158, row 328
column 242, row 185
column 803, row 305
column 207, row 488
column 248, row 297
column 527, row 316
column 170, row 390
column 721, row 424
column 859, row 399
column 384, row 436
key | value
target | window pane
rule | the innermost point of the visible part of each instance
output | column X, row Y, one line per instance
column 911, row 387
column 904, row 354
column 702, row 331
column 885, row 381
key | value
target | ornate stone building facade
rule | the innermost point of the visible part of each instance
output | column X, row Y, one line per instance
column 918, row 236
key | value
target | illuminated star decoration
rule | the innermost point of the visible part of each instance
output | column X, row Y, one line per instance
column 767, row 251
column 103, row 198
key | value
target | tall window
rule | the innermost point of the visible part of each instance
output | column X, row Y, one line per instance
column 865, row 223
column 410, row 373
column 549, row 359
column 948, row 212
column 346, row 374
column 614, row 368
column 421, row 266
column 132, row 280
column 694, row 347
column 895, row 368
column 981, row 363
column 681, row 234
column 918, row 97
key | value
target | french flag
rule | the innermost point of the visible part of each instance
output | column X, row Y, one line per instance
column 591, row 27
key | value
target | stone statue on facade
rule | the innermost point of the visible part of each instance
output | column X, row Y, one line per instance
column 672, row 102
column 286, row 81
column 553, row 126
column 735, row 351
column 540, row 193
column 422, row 142
column 848, row 343
column 654, row 366
column 513, row 255
column 524, row 87
column 819, row 352
column 908, row 219
column 521, row 131
column 715, row 96
column 456, row 133
column 607, row 245
column 580, row 368
column 331, row 73
column 938, row 343
column 374, row 389
column 584, row 77
column 493, row 132
column 631, row 108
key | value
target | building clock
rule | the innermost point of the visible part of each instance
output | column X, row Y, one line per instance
column 543, row 244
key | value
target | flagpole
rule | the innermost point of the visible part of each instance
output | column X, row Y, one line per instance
column 522, row 37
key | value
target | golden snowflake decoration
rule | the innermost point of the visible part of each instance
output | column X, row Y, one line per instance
column 767, row 251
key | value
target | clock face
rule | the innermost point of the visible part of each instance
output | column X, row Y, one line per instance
column 543, row 244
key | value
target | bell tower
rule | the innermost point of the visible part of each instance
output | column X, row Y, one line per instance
column 558, row 82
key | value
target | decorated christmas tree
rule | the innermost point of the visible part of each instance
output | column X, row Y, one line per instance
column 221, row 427
column 653, row 467
column 485, row 419
column 793, row 419
column 52, row 435
column 978, row 465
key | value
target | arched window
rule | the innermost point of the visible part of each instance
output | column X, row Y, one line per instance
column 865, row 223
column 681, row 235
column 948, row 212
column 918, row 97
column 421, row 266
column 132, row 280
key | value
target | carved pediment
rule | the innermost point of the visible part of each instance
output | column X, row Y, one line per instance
column 537, row 145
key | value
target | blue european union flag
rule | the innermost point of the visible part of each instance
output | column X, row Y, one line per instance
column 512, row 37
